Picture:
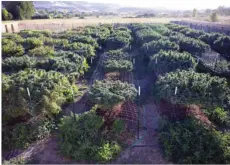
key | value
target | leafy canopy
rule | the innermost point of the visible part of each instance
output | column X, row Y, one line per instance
column 110, row 93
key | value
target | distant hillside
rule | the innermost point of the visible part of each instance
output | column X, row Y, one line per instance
column 82, row 6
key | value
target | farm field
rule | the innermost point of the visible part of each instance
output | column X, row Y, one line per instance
column 58, row 25
column 125, row 93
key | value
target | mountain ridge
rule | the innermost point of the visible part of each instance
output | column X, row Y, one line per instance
column 84, row 6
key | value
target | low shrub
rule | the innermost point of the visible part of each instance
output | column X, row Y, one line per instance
column 81, row 139
column 10, row 48
column 190, row 142
column 23, row 134
column 43, row 51
column 12, row 64
column 219, row 116
column 118, row 65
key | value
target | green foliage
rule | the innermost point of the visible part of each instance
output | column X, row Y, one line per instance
column 85, row 50
column 20, row 9
column 219, row 42
column 190, row 142
column 42, row 51
column 190, row 45
column 118, row 126
column 16, row 160
column 214, row 17
column 137, row 26
column 10, row 48
column 100, row 33
column 175, row 27
column 118, row 65
column 222, row 66
column 159, row 28
column 67, row 63
column 194, row 13
column 110, row 93
column 6, row 15
column 118, row 39
column 35, row 33
column 115, row 55
column 222, row 45
column 193, row 88
column 169, row 61
column 85, row 39
column 12, row 64
column 210, row 38
column 48, row 90
column 192, row 33
column 81, row 139
column 218, row 115
column 23, row 134
column 154, row 47
column 31, row 43
column 147, row 35
column 107, row 152
column 55, row 42
column 12, row 37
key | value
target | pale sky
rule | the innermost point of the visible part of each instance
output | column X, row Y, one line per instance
column 170, row 4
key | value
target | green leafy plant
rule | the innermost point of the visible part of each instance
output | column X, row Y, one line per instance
column 154, row 47
column 17, row 63
column 85, row 39
column 190, row 142
column 81, row 139
column 23, row 134
column 118, row 126
column 10, row 48
column 115, row 55
column 68, row 63
column 118, row 65
column 147, row 35
column 118, row 39
column 189, row 44
column 43, row 51
column 169, row 61
column 35, row 33
column 107, row 152
column 31, row 43
column 193, row 88
column 48, row 91
column 85, row 50
column 110, row 93
column 218, row 115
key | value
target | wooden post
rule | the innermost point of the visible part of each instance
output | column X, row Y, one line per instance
column 7, row 31
column 12, row 28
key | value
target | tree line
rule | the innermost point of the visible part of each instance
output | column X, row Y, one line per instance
column 17, row 10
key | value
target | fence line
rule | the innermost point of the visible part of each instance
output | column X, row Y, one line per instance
column 207, row 27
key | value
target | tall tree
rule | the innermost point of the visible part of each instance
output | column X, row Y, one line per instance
column 214, row 17
column 194, row 12
column 20, row 9
column 6, row 15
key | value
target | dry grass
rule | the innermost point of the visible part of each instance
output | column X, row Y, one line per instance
column 64, row 24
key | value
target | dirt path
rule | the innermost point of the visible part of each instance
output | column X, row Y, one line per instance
column 147, row 149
